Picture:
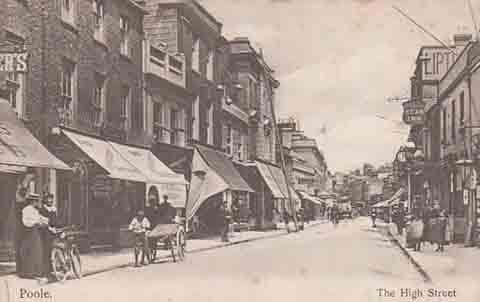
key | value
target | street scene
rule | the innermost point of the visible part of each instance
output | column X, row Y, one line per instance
column 216, row 150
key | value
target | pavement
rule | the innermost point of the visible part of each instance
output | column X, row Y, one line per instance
column 349, row 262
column 456, row 265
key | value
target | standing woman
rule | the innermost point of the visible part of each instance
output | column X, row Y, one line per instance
column 31, row 250
column 20, row 204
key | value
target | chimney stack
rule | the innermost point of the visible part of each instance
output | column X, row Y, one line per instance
column 461, row 40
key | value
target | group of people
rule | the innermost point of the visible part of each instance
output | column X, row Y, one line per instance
column 36, row 217
column 146, row 221
column 334, row 214
column 433, row 224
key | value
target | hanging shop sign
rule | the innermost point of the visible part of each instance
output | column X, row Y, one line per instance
column 413, row 112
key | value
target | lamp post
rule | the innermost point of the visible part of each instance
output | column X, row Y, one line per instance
column 407, row 155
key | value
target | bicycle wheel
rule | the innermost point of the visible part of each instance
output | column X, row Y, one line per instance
column 181, row 243
column 76, row 263
column 59, row 264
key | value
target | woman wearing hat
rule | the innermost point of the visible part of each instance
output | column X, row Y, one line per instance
column 31, row 250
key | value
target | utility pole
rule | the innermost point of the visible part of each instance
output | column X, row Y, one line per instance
column 282, row 159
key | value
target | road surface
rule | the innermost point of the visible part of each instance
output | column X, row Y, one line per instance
column 347, row 263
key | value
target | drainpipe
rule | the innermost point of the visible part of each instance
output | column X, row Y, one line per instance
column 472, row 206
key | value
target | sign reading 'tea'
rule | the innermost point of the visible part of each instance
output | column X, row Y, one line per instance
column 413, row 112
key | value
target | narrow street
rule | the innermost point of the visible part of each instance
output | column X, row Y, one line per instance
column 300, row 266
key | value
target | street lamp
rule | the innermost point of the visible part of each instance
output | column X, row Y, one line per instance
column 407, row 155
column 223, row 89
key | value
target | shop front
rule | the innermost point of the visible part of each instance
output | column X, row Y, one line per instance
column 19, row 149
column 214, row 180
column 271, row 196
column 313, row 206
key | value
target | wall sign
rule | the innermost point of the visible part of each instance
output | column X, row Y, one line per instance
column 413, row 112
column 13, row 61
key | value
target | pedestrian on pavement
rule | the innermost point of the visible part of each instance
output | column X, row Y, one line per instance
column 400, row 220
column 427, row 213
column 286, row 219
column 226, row 219
column 20, row 204
column 31, row 250
column 373, row 216
column 50, row 211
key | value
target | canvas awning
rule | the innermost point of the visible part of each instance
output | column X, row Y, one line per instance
column 18, row 147
column 224, row 167
column 103, row 153
column 157, row 173
column 306, row 196
column 212, row 173
column 267, row 175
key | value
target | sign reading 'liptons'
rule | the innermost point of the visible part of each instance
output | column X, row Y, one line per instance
column 413, row 112
column 435, row 62
column 13, row 61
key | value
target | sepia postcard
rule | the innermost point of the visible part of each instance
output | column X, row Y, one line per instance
column 239, row 150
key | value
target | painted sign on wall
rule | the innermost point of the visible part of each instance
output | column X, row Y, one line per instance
column 435, row 62
column 13, row 61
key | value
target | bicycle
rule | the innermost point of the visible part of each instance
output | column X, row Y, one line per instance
column 65, row 256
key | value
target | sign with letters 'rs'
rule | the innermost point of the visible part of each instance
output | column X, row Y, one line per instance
column 413, row 112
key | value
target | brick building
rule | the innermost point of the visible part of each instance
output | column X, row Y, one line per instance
column 82, row 95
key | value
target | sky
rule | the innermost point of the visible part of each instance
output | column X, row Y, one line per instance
column 339, row 62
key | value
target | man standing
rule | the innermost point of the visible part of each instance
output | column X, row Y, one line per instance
column 400, row 220
column 226, row 217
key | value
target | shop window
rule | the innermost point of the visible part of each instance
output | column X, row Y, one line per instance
column 14, row 86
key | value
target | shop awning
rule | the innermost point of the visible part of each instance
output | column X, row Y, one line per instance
column 149, row 165
column 12, row 169
column 157, row 173
column 224, row 167
column 103, row 153
column 18, row 147
column 309, row 197
column 267, row 175
column 212, row 173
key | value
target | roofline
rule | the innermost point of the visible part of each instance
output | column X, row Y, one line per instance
column 138, row 6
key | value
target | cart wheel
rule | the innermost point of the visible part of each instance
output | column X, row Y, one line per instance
column 181, row 244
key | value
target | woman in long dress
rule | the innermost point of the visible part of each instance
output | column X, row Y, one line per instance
column 31, row 250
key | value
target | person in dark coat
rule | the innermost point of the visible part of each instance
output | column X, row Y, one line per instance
column 226, row 217
column 400, row 220
column 50, row 211
column 31, row 250
column 20, row 203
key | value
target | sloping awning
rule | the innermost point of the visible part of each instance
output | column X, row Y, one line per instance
column 18, row 147
column 267, row 175
column 157, row 173
column 309, row 197
column 144, row 160
column 103, row 153
column 212, row 173
column 224, row 167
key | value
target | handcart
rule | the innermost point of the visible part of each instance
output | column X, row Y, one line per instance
column 168, row 237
